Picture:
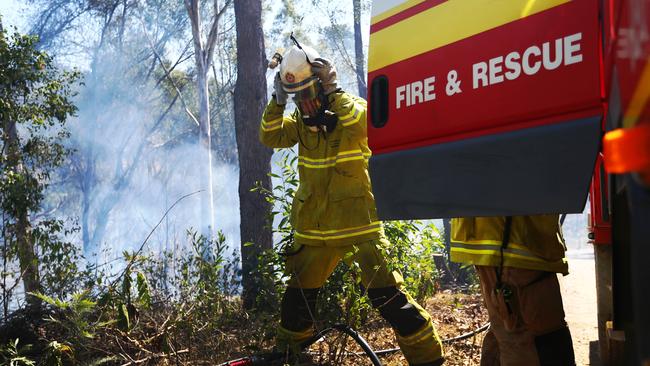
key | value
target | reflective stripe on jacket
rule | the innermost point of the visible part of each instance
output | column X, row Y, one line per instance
column 333, row 204
column 536, row 242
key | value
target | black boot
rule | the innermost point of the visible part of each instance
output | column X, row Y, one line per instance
column 555, row 348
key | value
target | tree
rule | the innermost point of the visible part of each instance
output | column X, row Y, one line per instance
column 358, row 50
column 35, row 101
column 254, row 158
column 203, row 54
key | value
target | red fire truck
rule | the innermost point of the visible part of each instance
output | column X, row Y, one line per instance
column 512, row 107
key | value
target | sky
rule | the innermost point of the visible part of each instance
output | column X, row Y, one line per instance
column 11, row 14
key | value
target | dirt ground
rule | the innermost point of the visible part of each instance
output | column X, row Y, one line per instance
column 579, row 296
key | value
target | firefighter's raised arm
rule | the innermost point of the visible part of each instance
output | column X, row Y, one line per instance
column 350, row 111
column 277, row 130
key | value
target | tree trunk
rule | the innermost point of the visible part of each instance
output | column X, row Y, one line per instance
column 358, row 50
column 254, row 158
column 207, row 204
column 27, row 259
column 203, row 55
column 22, row 228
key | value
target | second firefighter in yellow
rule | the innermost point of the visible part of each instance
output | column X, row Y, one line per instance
column 333, row 212
column 517, row 259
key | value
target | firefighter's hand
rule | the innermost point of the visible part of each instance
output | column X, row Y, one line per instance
column 326, row 72
column 280, row 95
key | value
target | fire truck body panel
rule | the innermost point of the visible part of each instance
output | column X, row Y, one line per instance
column 473, row 113
column 502, row 98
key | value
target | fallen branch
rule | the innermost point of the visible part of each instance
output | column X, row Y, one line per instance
column 155, row 356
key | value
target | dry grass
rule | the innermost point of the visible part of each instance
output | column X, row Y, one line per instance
column 180, row 336
column 453, row 314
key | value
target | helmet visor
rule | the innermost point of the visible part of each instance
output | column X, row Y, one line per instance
column 307, row 99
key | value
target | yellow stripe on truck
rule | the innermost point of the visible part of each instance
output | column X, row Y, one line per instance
column 447, row 23
column 394, row 10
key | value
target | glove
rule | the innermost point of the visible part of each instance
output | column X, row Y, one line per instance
column 326, row 72
column 280, row 95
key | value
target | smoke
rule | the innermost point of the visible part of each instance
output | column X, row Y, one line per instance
column 133, row 157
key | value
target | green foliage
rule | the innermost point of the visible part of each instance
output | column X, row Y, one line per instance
column 58, row 354
column 123, row 318
column 281, row 196
column 59, row 260
column 342, row 299
column 37, row 97
column 74, row 316
column 35, row 101
column 144, row 296
column 12, row 354
column 270, row 269
column 414, row 245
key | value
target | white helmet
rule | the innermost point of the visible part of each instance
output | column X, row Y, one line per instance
column 297, row 78
column 295, row 69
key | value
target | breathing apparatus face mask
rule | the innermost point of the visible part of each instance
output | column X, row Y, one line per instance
column 312, row 102
column 312, row 105
column 308, row 99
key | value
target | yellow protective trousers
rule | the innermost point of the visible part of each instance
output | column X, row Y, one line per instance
column 310, row 267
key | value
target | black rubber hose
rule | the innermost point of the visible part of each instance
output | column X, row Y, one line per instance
column 484, row 327
column 352, row 333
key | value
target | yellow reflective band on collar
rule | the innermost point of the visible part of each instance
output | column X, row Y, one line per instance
column 272, row 125
column 341, row 233
column 351, row 118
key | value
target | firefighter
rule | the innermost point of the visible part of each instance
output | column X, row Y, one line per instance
column 517, row 260
column 333, row 211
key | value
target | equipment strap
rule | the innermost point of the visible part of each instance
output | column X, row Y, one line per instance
column 504, row 244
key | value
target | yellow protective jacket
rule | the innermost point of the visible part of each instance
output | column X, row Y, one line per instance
column 333, row 205
column 536, row 242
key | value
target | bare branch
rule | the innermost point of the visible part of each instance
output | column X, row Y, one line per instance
column 340, row 42
column 212, row 36
column 168, row 74
column 192, row 7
